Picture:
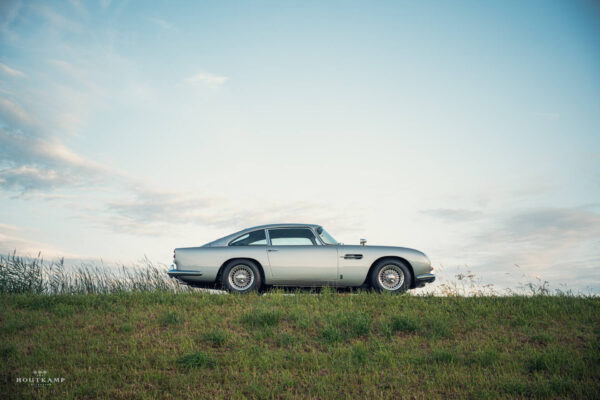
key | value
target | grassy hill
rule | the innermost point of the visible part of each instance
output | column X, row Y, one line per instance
column 331, row 345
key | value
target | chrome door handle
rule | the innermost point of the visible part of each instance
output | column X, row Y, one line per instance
column 353, row 256
column 271, row 250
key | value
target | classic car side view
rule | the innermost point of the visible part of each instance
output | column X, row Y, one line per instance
column 298, row 255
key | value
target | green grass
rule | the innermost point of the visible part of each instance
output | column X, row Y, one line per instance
column 169, row 318
column 261, row 318
column 344, row 326
column 404, row 323
column 198, row 359
column 217, row 337
column 330, row 345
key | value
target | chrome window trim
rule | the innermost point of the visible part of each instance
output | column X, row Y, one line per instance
column 314, row 228
column 314, row 231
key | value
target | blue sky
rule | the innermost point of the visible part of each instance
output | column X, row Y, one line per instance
column 469, row 130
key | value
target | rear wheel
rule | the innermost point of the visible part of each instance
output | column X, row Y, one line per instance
column 241, row 276
column 391, row 276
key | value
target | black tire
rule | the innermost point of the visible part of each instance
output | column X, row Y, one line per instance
column 392, row 282
column 241, row 276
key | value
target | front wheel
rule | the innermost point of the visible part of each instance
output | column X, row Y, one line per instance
column 241, row 276
column 391, row 276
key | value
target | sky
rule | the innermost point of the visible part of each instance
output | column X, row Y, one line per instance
column 468, row 130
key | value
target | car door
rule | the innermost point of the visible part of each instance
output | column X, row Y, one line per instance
column 296, row 257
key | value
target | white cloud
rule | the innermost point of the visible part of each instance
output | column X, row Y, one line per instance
column 32, row 164
column 11, row 71
column 24, row 149
column 15, row 115
column 30, row 178
column 206, row 79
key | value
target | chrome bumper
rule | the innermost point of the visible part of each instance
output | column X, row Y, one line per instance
column 421, row 280
column 174, row 273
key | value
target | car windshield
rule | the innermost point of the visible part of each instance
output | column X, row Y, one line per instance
column 325, row 237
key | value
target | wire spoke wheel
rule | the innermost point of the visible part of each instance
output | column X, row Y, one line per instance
column 390, row 277
column 241, row 277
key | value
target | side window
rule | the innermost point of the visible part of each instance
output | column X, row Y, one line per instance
column 292, row 237
column 256, row 238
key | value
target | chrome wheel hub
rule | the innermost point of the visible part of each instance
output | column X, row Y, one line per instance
column 391, row 277
column 241, row 277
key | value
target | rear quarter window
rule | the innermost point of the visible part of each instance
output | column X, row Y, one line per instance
column 256, row 238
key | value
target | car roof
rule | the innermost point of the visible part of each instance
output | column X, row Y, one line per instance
column 225, row 240
column 280, row 225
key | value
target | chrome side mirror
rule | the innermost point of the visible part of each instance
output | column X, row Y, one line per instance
column 363, row 242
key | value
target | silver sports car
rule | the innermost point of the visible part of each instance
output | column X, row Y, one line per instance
column 298, row 255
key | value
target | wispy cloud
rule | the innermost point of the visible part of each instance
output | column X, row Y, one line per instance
column 15, row 115
column 58, row 21
column 68, row 69
column 80, row 76
column 35, row 162
column 554, row 224
column 152, row 212
column 20, row 148
column 151, row 208
column 33, row 159
column 539, row 240
column 161, row 23
column 544, row 242
column 29, row 178
column 206, row 79
column 11, row 71
column 78, row 6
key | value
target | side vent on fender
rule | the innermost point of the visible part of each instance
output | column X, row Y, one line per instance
column 353, row 256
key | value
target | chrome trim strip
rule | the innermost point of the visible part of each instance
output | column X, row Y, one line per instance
column 177, row 272
column 425, row 277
